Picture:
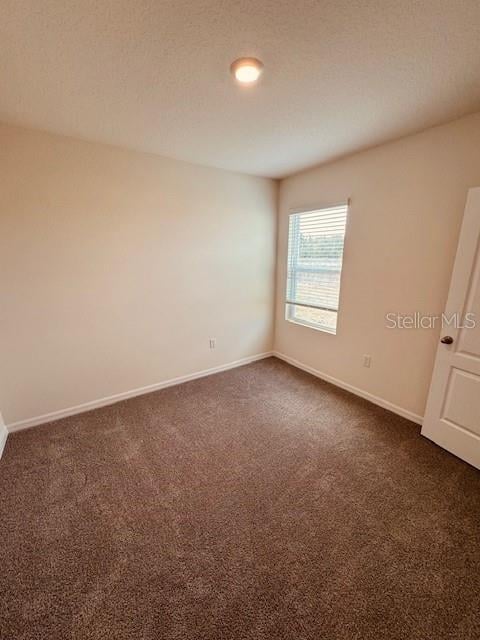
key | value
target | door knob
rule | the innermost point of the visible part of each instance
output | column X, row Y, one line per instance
column 447, row 340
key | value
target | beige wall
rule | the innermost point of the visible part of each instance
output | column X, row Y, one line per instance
column 117, row 267
column 407, row 206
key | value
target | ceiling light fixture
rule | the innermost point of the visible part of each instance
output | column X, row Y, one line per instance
column 246, row 70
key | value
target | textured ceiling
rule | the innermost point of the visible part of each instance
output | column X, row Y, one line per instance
column 340, row 75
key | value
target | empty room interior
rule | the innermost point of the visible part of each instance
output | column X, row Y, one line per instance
column 240, row 320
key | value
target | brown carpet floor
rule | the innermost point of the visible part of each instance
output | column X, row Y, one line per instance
column 259, row 503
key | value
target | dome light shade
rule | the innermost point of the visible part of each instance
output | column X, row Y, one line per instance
column 246, row 70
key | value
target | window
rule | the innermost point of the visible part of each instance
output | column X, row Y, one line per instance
column 315, row 254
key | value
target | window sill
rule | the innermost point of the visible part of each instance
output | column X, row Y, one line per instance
column 316, row 327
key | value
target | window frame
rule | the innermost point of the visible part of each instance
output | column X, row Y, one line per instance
column 289, row 305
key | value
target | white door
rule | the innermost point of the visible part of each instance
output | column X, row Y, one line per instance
column 452, row 417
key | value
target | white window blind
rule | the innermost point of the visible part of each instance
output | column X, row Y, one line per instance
column 315, row 255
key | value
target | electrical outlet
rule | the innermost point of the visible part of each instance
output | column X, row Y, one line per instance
column 367, row 361
column 212, row 343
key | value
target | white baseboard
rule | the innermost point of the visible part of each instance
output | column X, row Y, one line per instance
column 3, row 435
column 385, row 404
column 102, row 402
